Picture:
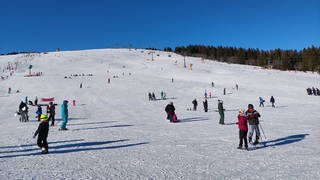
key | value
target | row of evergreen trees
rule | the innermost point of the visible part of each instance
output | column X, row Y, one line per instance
column 307, row 59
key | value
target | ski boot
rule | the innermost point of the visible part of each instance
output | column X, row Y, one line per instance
column 44, row 150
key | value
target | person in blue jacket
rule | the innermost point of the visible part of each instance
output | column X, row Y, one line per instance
column 64, row 115
column 39, row 112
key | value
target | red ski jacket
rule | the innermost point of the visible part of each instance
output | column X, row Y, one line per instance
column 242, row 123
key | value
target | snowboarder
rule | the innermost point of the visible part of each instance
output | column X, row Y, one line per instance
column 221, row 111
column 261, row 100
column 205, row 105
column 195, row 104
column 243, row 129
column 52, row 112
column 64, row 115
column 42, row 133
column 272, row 101
column 170, row 112
column 39, row 112
column 253, row 118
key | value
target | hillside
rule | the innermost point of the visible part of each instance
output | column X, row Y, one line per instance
column 115, row 132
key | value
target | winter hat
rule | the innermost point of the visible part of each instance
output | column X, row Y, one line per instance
column 43, row 117
column 250, row 106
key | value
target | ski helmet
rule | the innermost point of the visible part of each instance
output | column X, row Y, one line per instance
column 43, row 117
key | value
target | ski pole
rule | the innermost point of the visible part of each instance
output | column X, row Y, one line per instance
column 263, row 132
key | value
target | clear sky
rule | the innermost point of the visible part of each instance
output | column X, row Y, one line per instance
column 44, row 25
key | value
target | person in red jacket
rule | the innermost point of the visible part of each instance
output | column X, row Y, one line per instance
column 243, row 129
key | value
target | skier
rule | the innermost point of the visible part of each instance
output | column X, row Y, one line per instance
column 9, row 90
column 210, row 95
column 212, row 84
column 309, row 91
column 205, row 94
column 42, row 133
column 108, row 80
column 161, row 94
column 237, row 87
column 170, row 111
column 39, row 112
column 253, row 118
column 205, row 105
column 23, row 111
column 195, row 104
column 36, row 101
column 153, row 96
column 221, row 111
column 64, row 115
column 261, row 100
column 80, row 85
column 272, row 101
column 52, row 112
column 150, row 96
column 314, row 91
column 243, row 129
column 224, row 91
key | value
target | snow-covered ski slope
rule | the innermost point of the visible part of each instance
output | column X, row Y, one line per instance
column 115, row 132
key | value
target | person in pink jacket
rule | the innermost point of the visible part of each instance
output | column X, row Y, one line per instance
column 243, row 129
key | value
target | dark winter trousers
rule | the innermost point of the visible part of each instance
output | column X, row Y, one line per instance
column 42, row 143
column 221, row 117
column 51, row 118
column 243, row 137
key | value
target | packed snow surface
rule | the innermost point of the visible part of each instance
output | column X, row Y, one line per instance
column 115, row 132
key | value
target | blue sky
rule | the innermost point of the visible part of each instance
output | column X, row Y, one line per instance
column 44, row 25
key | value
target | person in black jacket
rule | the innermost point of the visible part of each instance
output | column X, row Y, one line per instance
column 253, row 119
column 205, row 105
column 42, row 133
column 272, row 101
column 195, row 104
column 170, row 111
column 52, row 112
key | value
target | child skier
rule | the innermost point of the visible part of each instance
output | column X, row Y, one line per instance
column 243, row 129
column 39, row 112
column 42, row 133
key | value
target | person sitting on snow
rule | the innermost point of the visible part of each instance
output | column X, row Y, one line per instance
column 170, row 111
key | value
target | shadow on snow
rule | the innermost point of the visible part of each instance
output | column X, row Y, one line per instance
column 282, row 141
column 102, row 122
column 102, row 127
column 193, row 119
column 76, row 147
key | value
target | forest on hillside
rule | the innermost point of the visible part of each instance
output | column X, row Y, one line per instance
column 307, row 59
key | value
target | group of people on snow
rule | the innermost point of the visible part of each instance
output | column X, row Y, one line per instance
column 43, row 128
column 250, row 116
column 313, row 91
column 261, row 101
